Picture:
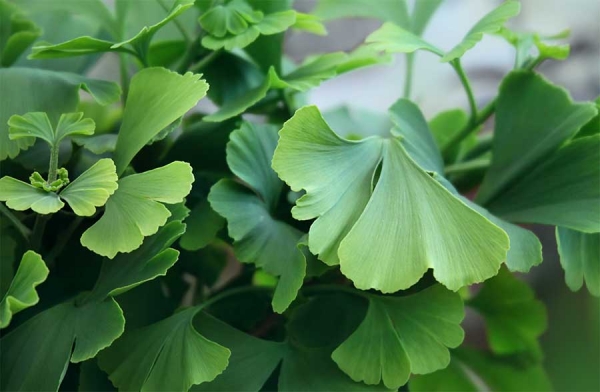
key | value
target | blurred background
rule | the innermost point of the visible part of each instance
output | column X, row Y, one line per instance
column 572, row 341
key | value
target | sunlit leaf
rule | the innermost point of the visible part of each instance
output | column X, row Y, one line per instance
column 403, row 335
column 21, row 293
column 408, row 216
column 21, row 196
column 44, row 91
column 395, row 39
column 476, row 371
column 514, row 318
column 309, row 23
column 259, row 237
column 580, row 258
column 489, row 24
column 167, row 356
column 527, row 130
column 135, row 210
column 157, row 97
column 35, row 355
column 37, row 124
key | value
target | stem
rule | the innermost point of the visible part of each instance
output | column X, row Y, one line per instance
column 53, row 166
column 484, row 144
column 38, row 232
column 408, row 76
column 123, row 67
column 467, row 85
column 468, row 166
column 24, row 230
column 63, row 239
column 485, row 113
column 206, row 60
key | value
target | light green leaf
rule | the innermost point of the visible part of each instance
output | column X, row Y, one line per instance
column 35, row 355
column 403, row 335
column 357, row 123
column 252, row 360
column 580, row 258
column 92, row 188
column 21, row 294
column 44, row 91
column 229, row 18
column 167, row 356
column 527, row 131
column 514, row 319
column 525, row 42
column 489, row 24
column 392, row 38
column 395, row 11
column 477, row 371
column 135, row 211
column 97, row 144
column 408, row 216
column 422, row 13
column 140, row 43
column 309, row 23
column 259, row 238
column 157, row 97
column 37, row 124
column 563, row 190
column 152, row 259
column 203, row 224
column 21, row 196
column 16, row 35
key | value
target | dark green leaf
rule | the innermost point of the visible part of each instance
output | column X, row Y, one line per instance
column 580, row 258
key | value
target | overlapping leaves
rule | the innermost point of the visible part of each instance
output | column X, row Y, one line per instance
column 384, row 235
column 259, row 237
column 16, row 34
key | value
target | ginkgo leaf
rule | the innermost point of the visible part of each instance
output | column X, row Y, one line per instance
column 92, row 188
column 394, row 39
column 167, row 356
column 88, row 45
column 526, row 131
column 129, row 270
column 97, row 144
column 135, row 211
column 403, row 335
column 563, row 190
column 391, row 11
column 21, row 196
column 157, row 97
column 39, row 90
column 16, row 35
column 514, row 319
column 230, row 18
column 309, row 23
column 37, row 124
column 386, row 237
column 252, row 360
column 203, row 224
column 489, row 24
column 580, row 258
column 259, row 238
column 476, row 371
column 21, row 293
column 35, row 355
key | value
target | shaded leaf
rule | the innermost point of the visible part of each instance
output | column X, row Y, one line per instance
column 580, row 258
column 403, row 335
column 354, row 227
column 98, row 144
column 16, row 34
column 395, row 11
column 259, row 238
column 514, row 319
column 167, row 356
column 157, row 97
column 533, row 118
column 203, row 224
column 135, row 210
column 21, row 293
column 474, row 371
column 35, row 355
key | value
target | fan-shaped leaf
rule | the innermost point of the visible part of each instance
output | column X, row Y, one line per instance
column 135, row 211
column 35, row 356
column 394, row 39
column 17, row 33
column 157, row 97
column 580, row 258
column 259, row 237
column 513, row 317
column 21, row 196
column 386, row 238
column 403, row 335
column 21, row 294
column 167, row 356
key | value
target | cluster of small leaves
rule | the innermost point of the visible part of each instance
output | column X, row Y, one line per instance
column 160, row 247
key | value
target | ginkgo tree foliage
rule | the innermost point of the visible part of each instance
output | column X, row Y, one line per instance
column 261, row 243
